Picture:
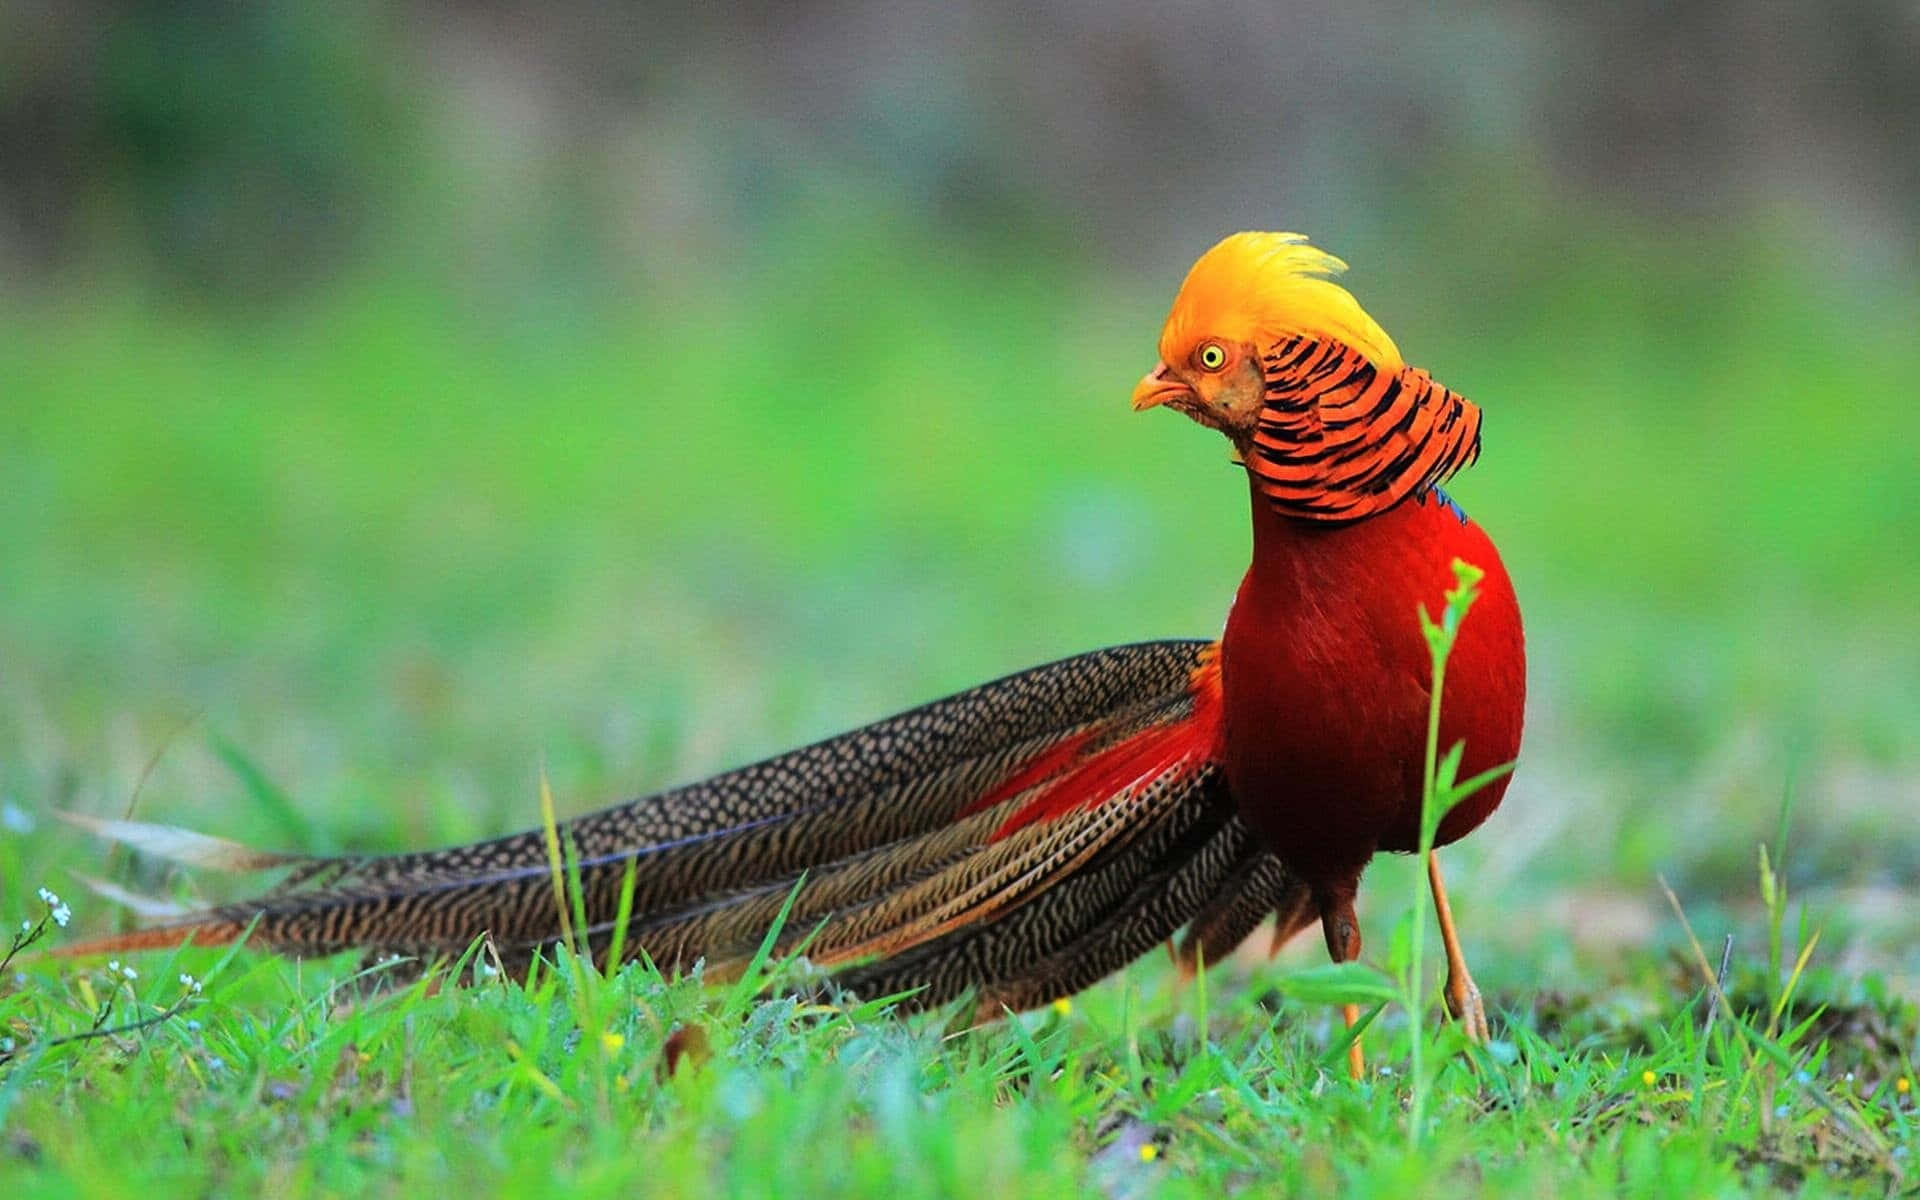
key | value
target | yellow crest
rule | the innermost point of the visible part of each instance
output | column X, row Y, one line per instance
column 1262, row 287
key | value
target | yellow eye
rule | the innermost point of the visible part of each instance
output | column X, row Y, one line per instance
column 1211, row 356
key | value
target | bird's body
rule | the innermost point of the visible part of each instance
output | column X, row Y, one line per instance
column 1326, row 681
column 1023, row 839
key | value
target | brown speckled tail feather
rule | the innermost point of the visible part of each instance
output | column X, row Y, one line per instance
column 908, row 882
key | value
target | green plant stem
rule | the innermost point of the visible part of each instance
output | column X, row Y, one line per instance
column 1440, row 638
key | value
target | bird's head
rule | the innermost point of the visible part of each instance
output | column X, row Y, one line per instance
column 1247, row 293
column 1331, row 423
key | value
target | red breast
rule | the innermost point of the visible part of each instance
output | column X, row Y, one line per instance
column 1326, row 680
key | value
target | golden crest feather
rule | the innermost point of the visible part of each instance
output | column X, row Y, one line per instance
column 1262, row 287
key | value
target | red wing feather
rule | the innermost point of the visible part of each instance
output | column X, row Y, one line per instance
column 1083, row 771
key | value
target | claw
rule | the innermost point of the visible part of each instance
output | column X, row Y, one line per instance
column 1465, row 1006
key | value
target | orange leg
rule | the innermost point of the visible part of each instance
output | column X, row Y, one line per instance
column 1463, row 995
column 1342, row 930
column 1356, row 1061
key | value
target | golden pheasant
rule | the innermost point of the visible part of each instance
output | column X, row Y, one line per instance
column 1024, row 839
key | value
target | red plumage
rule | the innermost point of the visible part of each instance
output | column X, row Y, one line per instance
column 1081, row 770
column 1327, row 683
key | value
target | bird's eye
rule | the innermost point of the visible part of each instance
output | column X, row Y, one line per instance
column 1211, row 356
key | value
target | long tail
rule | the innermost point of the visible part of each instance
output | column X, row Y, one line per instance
column 1020, row 840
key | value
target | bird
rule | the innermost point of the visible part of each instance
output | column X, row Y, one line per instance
column 1019, row 841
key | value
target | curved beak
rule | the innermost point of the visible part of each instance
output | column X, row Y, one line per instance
column 1157, row 387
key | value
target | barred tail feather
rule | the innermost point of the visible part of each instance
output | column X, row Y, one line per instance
column 1258, row 885
column 1017, row 840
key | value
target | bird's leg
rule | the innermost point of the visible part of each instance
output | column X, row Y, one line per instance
column 1463, row 995
column 1342, row 930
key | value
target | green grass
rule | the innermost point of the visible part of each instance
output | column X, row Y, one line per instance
column 352, row 574
column 274, row 1076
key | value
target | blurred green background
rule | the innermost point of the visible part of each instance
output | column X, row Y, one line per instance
column 398, row 399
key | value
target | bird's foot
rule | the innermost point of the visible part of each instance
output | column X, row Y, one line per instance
column 1466, row 1007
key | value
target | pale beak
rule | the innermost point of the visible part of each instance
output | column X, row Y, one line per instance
column 1158, row 387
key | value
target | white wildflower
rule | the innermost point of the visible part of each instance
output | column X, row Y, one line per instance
column 190, row 983
column 61, row 915
column 48, row 898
